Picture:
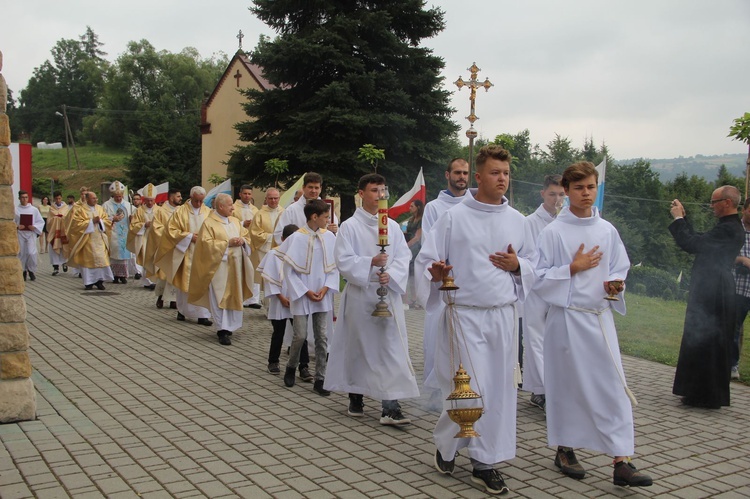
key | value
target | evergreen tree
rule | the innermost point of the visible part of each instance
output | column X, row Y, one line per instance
column 346, row 74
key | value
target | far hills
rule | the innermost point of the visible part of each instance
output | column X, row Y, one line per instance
column 706, row 167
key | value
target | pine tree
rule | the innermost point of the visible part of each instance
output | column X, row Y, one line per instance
column 346, row 74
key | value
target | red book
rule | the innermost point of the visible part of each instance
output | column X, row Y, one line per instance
column 27, row 220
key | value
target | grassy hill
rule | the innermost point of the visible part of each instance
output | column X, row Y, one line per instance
column 97, row 164
column 706, row 167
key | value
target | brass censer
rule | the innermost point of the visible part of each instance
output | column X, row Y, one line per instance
column 460, row 412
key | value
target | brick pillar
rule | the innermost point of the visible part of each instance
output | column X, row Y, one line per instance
column 17, row 395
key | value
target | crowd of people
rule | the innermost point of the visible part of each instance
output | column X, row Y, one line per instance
column 558, row 275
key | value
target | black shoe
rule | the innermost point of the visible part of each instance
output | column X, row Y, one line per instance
column 159, row 302
column 443, row 466
column 89, row 286
column 224, row 338
column 55, row 272
column 207, row 322
column 626, row 474
column 151, row 286
column 123, row 280
column 173, row 305
column 318, row 388
column 180, row 317
column 100, row 286
column 356, row 405
column 80, row 276
column 32, row 276
column 137, row 276
column 24, row 275
column 289, row 377
column 304, row 375
column 273, row 368
column 65, row 268
column 393, row 417
column 56, row 269
column 254, row 305
column 492, row 480
column 568, row 464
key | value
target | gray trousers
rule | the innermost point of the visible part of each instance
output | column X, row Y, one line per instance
column 319, row 323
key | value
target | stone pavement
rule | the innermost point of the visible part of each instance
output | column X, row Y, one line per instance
column 132, row 403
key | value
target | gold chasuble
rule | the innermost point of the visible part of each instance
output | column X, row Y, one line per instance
column 89, row 250
column 174, row 263
column 214, row 262
column 67, row 220
column 261, row 234
column 162, row 215
column 55, row 230
column 136, row 243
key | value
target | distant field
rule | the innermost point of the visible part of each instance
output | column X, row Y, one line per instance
column 652, row 329
column 98, row 164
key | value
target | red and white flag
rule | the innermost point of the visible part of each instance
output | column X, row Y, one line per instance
column 417, row 192
column 160, row 192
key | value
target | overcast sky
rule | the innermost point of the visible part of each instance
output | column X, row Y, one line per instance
column 650, row 78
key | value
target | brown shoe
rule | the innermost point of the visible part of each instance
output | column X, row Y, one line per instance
column 626, row 474
column 568, row 464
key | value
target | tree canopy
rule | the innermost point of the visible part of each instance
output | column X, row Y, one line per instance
column 346, row 74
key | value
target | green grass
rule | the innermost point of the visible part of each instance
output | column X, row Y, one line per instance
column 652, row 329
column 92, row 157
column 98, row 164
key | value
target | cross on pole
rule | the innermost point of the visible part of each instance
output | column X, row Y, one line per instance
column 240, row 36
column 473, row 84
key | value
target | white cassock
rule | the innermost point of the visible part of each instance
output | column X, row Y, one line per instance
column 432, row 211
column 271, row 268
column 294, row 214
column 464, row 237
column 28, row 252
column 370, row 355
column 226, row 319
column 587, row 406
column 534, row 311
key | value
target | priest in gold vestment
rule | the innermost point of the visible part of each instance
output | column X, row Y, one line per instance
column 140, row 229
column 88, row 236
column 56, row 234
column 261, row 230
column 245, row 211
column 175, row 254
column 221, row 276
column 161, row 218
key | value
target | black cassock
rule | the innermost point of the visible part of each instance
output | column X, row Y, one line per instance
column 703, row 367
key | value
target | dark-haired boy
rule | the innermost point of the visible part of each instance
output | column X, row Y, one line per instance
column 312, row 278
column 369, row 355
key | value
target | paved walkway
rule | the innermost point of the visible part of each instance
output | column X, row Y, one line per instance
column 132, row 403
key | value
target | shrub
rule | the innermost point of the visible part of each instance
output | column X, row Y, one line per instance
column 653, row 282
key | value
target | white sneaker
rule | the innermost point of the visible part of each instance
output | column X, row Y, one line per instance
column 735, row 372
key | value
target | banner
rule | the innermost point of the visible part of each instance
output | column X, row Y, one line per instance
column 419, row 191
column 223, row 188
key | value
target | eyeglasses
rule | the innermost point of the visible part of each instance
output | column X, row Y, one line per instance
column 714, row 201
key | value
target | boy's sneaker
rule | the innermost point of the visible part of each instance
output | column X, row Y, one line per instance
column 539, row 401
column 318, row 388
column 735, row 372
column 393, row 417
column 492, row 480
column 289, row 377
column 626, row 474
column 273, row 368
column 568, row 464
column 304, row 375
column 356, row 406
column 444, row 467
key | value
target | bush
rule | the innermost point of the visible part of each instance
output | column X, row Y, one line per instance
column 653, row 282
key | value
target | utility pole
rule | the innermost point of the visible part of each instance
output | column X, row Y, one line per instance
column 69, row 132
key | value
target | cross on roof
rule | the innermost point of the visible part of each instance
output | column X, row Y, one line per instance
column 240, row 36
column 237, row 77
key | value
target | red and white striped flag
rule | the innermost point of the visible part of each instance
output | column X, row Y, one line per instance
column 419, row 191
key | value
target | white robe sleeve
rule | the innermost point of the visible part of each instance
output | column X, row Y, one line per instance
column 554, row 283
column 619, row 264
column 356, row 269
column 434, row 249
column 297, row 288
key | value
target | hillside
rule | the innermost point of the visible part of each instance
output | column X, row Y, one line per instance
column 97, row 164
column 702, row 166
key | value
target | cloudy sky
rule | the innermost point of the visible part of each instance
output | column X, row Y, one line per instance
column 649, row 78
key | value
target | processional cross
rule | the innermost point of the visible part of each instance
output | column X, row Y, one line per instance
column 473, row 84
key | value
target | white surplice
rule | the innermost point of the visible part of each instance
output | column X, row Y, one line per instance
column 534, row 312
column 370, row 355
column 587, row 406
column 27, row 239
column 294, row 214
column 432, row 211
column 465, row 236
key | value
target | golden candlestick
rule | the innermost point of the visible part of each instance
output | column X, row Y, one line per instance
column 381, row 308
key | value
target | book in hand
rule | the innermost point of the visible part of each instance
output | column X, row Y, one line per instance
column 27, row 220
